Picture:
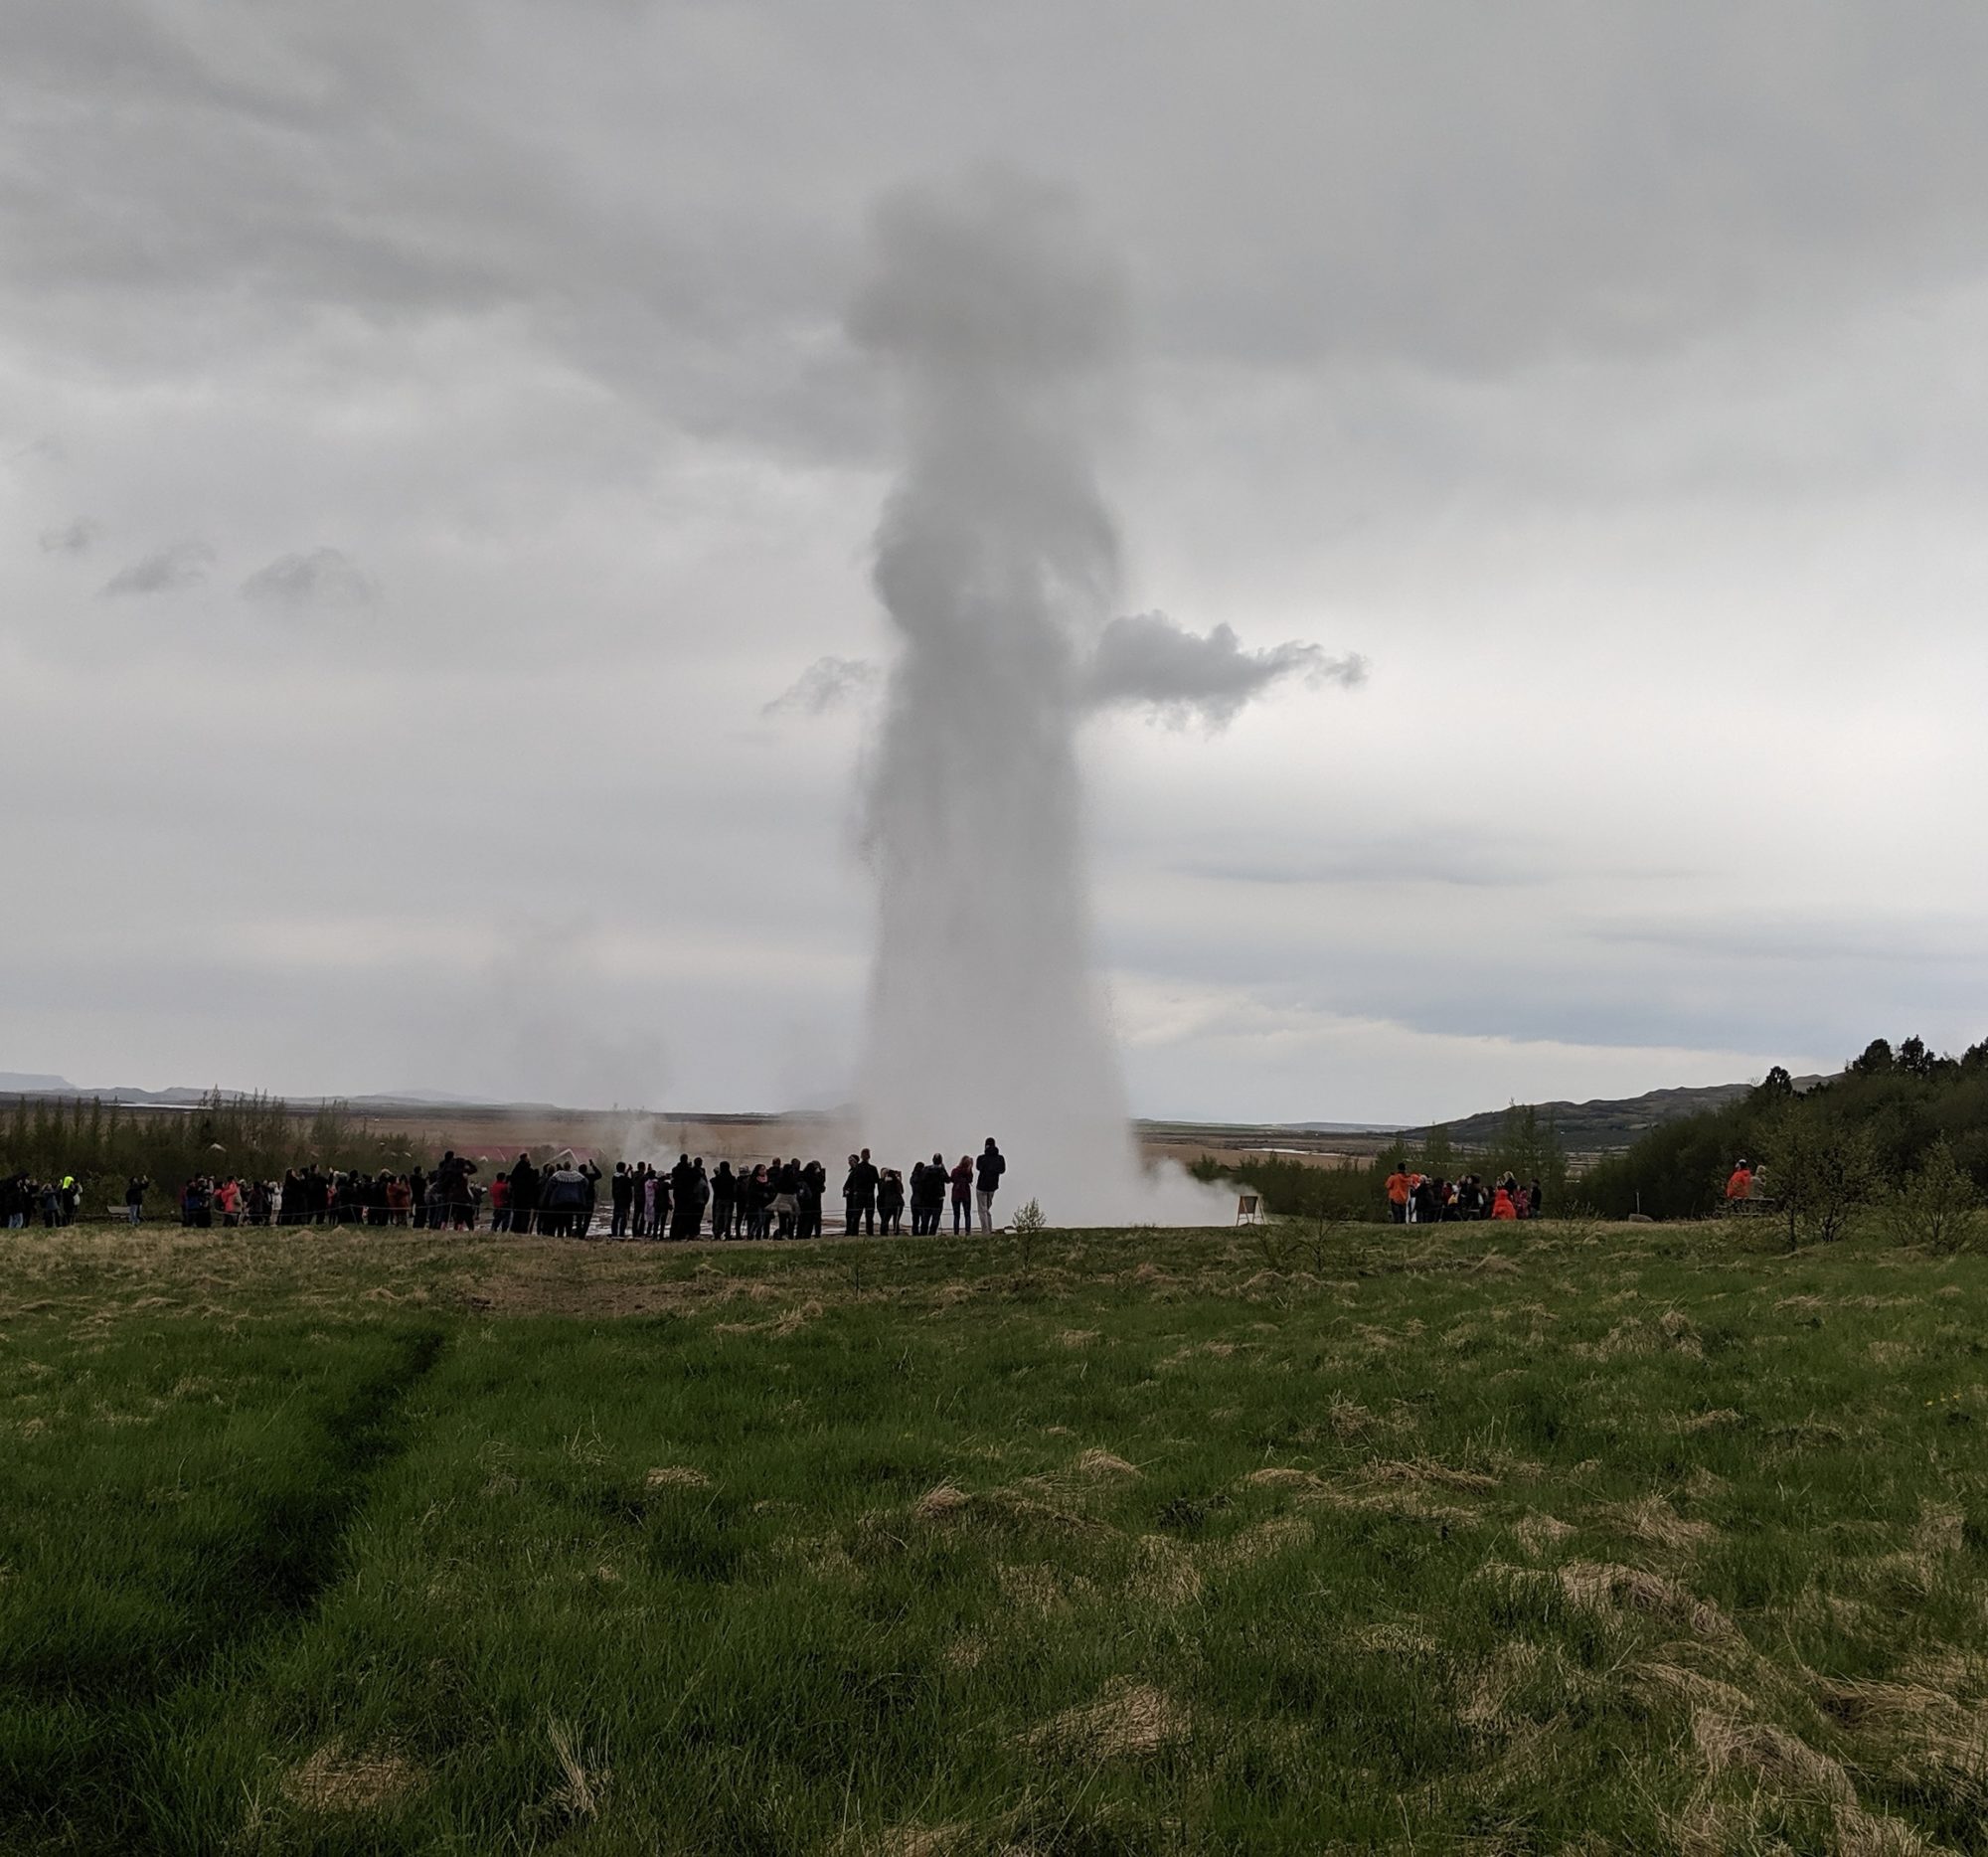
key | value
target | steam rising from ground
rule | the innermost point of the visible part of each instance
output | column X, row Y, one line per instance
column 1000, row 322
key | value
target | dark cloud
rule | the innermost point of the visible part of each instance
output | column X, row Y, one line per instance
column 826, row 684
column 324, row 578
column 1148, row 661
column 168, row 570
column 71, row 538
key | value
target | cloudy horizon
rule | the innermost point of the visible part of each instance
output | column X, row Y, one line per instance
column 437, row 491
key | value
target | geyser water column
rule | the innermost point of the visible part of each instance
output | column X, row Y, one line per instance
column 999, row 321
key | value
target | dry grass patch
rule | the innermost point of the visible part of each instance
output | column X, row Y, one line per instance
column 1127, row 1721
column 1422, row 1471
column 1038, row 1589
column 676, row 1477
column 368, row 1780
column 1263, row 1542
column 583, row 1775
column 1784, row 1762
column 1602, row 1587
column 1537, row 1532
column 1653, row 1520
column 1163, row 1573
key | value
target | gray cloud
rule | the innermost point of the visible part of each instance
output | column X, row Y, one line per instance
column 324, row 578
column 71, row 538
column 826, row 684
column 1146, row 660
column 168, row 570
column 1612, row 365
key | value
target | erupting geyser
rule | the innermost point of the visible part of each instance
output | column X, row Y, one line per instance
column 1000, row 323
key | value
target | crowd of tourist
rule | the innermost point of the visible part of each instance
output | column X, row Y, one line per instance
column 781, row 1197
column 24, row 1199
column 1429, row 1199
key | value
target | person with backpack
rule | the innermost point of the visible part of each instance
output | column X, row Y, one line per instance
column 987, row 1182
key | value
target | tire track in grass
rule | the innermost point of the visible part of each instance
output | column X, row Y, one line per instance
column 123, row 1786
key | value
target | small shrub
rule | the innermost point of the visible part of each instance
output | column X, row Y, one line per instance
column 1823, row 1169
column 1934, row 1206
column 1028, row 1222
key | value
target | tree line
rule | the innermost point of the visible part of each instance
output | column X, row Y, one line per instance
column 105, row 1144
column 1527, row 1146
column 1903, row 1130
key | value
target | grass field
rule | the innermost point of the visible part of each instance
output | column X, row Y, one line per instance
column 1558, row 1538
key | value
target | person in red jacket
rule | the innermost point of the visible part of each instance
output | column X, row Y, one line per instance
column 1740, row 1183
column 1502, row 1206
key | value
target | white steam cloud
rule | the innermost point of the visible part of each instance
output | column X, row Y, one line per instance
column 1147, row 660
column 1000, row 322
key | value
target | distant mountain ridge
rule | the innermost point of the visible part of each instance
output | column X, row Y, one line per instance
column 1602, row 1126
column 1605, row 1124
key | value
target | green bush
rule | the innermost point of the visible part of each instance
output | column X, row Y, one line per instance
column 1934, row 1206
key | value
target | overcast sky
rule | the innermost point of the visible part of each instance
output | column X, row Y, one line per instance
column 428, row 444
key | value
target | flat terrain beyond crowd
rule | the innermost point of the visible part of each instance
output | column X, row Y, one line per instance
column 781, row 1197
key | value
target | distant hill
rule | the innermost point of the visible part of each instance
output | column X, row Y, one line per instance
column 1606, row 1126
column 33, row 1084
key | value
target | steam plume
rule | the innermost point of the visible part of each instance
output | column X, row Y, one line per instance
column 824, row 685
column 1147, row 659
column 996, row 559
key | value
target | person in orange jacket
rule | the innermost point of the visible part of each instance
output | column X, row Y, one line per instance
column 1740, row 1183
column 1398, row 1185
column 1501, row 1204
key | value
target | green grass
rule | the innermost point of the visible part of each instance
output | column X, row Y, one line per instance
column 1558, row 1538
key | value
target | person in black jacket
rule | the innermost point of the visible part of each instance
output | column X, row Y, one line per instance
column 987, row 1174
column 621, row 1190
column 814, row 1183
column 724, row 1195
column 859, row 1193
column 524, row 1194
column 683, row 1198
column 928, row 1196
column 890, row 1202
column 134, row 1197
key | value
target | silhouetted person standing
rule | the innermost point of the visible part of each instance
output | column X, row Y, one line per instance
column 683, row 1198
column 524, row 1194
column 987, row 1182
column 859, row 1193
